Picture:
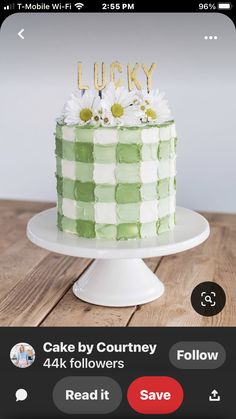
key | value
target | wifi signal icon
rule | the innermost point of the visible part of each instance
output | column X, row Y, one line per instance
column 79, row 5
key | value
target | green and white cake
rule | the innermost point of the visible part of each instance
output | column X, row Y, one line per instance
column 116, row 172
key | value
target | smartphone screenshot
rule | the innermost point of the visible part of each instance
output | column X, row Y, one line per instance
column 117, row 210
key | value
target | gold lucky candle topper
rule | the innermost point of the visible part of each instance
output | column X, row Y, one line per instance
column 116, row 69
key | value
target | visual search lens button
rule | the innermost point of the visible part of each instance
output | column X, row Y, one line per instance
column 208, row 299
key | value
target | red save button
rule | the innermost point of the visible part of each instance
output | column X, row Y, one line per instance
column 155, row 395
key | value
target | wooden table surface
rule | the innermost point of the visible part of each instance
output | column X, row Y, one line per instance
column 36, row 285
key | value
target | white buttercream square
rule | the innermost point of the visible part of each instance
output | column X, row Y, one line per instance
column 105, row 136
column 165, row 133
column 148, row 229
column 150, row 135
column 173, row 167
column 68, row 133
column 172, row 222
column 163, row 169
column 105, row 213
column 166, row 168
column 148, row 211
column 163, row 207
column 148, row 171
column 172, row 205
column 69, row 208
column 166, row 206
column 104, row 173
column 68, row 169
column 173, row 131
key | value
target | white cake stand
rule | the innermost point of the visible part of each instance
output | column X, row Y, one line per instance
column 118, row 277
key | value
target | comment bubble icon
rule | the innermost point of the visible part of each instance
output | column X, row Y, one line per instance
column 21, row 395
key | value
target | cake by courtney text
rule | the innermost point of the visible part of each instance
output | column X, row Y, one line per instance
column 116, row 73
column 101, row 347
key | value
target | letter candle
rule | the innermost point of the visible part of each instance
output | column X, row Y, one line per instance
column 101, row 82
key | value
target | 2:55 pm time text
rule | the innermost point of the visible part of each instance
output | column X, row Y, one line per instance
column 117, row 6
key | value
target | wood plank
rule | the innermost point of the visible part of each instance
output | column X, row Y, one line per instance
column 71, row 311
column 215, row 261
column 225, row 275
column 14, row 218
column 35, row 295
column 16, row 261
column 221, row 219
column 21, row 206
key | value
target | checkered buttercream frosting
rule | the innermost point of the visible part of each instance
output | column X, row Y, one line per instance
column 116, row 182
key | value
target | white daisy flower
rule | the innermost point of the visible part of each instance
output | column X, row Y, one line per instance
column 118, row 106
column 82, row 109
column 153, row 107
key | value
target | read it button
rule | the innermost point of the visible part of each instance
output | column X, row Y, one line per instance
column 155, row 395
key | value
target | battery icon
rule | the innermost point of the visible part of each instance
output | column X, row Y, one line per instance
column 224, row 6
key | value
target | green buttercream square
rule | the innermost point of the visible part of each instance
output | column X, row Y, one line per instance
column 163, row 188
column 85, row 228
column 163, row 224
column 85, row 211
column 84, row 152
column 149, row 152
column 128, row 213
column 68, row 188
column 128, row 231
column 84, row 171
column 59, row 221
column 128, row 173
column 59, row 181
column 84, row 135
column 68, row 150
column 175, row 144
column 149, row 191
column 128, row 193
column 84, row 191
column 166, row 149
column 105, row 231
column 129, row 135
column 148, row 230
column 105, row 193
column 172, row 185
column 104, row 153
column 66, row 224
column 59, row 203
column 128, row 153
column 59, row 151
column 58, row 166
column 59, row 131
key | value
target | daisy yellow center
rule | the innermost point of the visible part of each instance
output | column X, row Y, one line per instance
column 151, row 113
column 86, row 114
column 117, row 110
column 142, row 107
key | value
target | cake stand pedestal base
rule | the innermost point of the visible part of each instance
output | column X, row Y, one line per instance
column 118, row 283
column 119, row 277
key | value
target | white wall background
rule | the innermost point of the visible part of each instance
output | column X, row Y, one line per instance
column 39, row 73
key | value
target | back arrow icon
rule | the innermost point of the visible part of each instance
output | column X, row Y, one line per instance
column 20, row 34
